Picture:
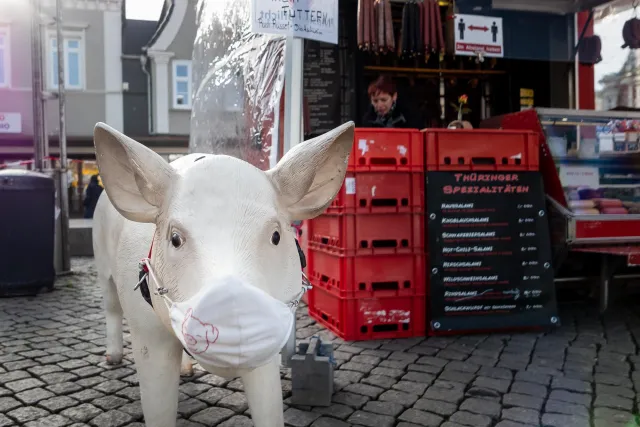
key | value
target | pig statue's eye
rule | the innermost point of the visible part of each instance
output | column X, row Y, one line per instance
column 176, row 239
column 275, row 238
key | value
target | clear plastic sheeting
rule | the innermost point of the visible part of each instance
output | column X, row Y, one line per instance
column 238, row 80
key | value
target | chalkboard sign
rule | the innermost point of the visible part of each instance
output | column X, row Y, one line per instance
column 490, row 251
column 322, row 86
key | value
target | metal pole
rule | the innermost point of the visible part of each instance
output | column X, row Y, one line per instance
column 62, row 142
column 36, row 66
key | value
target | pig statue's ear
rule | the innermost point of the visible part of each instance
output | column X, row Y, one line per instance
column 310, row 175
column 135, row 178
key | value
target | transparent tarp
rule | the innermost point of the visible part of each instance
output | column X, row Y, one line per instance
column 238, row 82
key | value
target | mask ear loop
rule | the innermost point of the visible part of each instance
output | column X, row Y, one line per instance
column 161, row 291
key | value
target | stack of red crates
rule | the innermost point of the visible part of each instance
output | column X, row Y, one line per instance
column 365, row 254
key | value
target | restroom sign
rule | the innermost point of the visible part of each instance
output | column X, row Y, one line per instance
column 475, row 33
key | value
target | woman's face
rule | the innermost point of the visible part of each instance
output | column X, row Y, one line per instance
column 383, row 101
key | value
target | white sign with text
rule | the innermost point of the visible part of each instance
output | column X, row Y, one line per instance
column 10, row 123
column 475, row 33
column 580, row 176
column 307, row 19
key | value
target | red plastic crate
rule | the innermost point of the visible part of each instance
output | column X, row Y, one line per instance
column 380, row 192
column 357, row 319
column 481, row 149
column 387, row 149
column 369, row 234
column 367, row 276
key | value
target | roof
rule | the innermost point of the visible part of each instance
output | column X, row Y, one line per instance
column 165, row 15
column 136, row 34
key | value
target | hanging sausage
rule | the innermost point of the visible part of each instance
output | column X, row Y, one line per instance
column 390, row 41
column 439, row 30
column 426, row 29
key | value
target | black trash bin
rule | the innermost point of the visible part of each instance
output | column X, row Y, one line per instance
column 27, row 230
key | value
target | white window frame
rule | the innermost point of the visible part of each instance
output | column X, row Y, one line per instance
column 51, row 77
column 175, row 79
column 6, row 55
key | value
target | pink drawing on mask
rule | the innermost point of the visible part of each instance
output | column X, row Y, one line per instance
column 203, row 334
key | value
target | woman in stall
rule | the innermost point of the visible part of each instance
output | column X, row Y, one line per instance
column 384, row 111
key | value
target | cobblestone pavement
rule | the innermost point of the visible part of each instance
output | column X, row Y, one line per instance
column 52, row 373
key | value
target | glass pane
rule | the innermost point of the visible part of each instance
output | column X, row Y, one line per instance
column 2, row 39
column 73, row 44
column 182, row 71
column 73, row 69
column 54, row 68
column 2, row 72
column 182, row 87
column 54, row 43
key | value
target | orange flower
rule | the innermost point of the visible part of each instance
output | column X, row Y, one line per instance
column 463, row 99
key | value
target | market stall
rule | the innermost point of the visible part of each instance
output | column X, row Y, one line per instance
column 590, row 161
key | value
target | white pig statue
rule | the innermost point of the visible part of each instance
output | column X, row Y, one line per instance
column 223, row 272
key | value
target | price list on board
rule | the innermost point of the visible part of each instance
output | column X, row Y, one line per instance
column 489, row 251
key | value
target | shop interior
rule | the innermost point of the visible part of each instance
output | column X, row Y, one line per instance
column 538, row 57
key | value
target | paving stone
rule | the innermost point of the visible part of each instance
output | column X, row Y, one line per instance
column 81, row 413
column 531, row 389
column 610, row 415
column 237, row 402
column 522, row 415
column 509, row 423
column 469, row 419
column 614, row 380
column 214, row 395
column 443, row 394
column 336, row 410
column 614, row 391
column 358, row 367
column 369, row 419
column 437, row 407
column 353, row 400
column 571, row 385
column 8, row 403
column 365, row 390
column 501, row 386
column 481, row 406
column 615, row 402
column 86, row 395
column 238, row 421
column 555, row 420
column 193, row 389
column 212, row 416
column 421, row 418
column 567, row 396
column 65, row 388
column 531, row 377
column 297, row 418
column 400, row 397
column 58, row 403
column 388, row 372
column 486, row 393
column 34, row 395
column 134, row 409
column 50, row 421
column 379, row 381
column 24, row 384
column 5, row 421
column 391, row 409
column 25, row 414
column 113, row 418
column 558, row 407
column 320, row 422
column 522, row 400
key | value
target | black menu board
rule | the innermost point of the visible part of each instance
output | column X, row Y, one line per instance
column 322, row 86
column 490, row 251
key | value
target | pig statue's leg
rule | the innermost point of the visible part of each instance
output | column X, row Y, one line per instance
column 264, row 394
column 113, row 314
column 157, row 356
column 186, row 367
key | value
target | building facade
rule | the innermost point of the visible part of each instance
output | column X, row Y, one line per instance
column 93, row 74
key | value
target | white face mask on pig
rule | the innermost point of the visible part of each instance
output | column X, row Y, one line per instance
column 220, row 325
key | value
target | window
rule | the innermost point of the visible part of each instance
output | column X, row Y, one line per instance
column 5, row 58
column 182, row 84
column 73, row 61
